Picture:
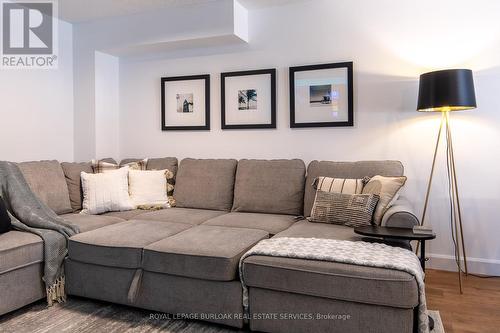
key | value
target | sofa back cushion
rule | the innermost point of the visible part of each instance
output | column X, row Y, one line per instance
column 46, row 180
column 72, row 173
column 205, row 183
column 269, row 186
column 354, row 170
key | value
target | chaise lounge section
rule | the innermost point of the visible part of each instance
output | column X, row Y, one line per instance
column 185, row 259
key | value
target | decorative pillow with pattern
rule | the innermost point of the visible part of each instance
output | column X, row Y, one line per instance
column 352, row 210
column 100, row 166
column 388, row 189
column 338, row 185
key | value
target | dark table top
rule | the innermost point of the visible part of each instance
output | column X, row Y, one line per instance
column 391, row 232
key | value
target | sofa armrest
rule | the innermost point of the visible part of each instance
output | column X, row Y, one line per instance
column 400, row 214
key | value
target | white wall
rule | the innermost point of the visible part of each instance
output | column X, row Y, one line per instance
column 391, row 43
column 37, row 108
column 106, row 105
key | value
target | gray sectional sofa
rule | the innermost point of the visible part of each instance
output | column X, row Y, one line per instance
column 185, row 259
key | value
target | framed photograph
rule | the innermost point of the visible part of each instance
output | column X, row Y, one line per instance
column 248, row 99
column 185, row 103
column 321, row 95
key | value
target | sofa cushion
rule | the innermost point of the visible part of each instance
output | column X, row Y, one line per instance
column 126, row 214
column 308, row 229
column 120, row 245
column 352, row 170
column 91, row 222
column 205, row 184
column 272, row 223
column 19, row 249
column 46, row 179
column 332, row 280
column 269, row 186
column 181, row 215
column 203, row 252
column 72, row 173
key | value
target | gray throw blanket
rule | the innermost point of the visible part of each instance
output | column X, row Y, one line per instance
column 29, row 214
column 343, row 251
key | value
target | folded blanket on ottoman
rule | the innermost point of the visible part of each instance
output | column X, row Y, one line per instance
column 348, row 252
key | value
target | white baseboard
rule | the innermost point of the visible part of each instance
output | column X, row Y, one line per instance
column 474, row 265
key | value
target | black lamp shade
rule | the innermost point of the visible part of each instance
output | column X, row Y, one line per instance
column 446, row 90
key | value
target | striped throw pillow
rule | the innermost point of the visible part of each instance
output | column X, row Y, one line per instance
column 339, row 185
column 102, row 167
column 352, row 210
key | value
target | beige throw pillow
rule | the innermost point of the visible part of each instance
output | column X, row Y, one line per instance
column 338, row 185
column 352, row 210
column 388, row 189
column 100, row 166
column 106, row 192
column 148, row 188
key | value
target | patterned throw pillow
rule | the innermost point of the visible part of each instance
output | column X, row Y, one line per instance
column 338, row 185
column 100, row 166
column 387, row 188
column 353, row 210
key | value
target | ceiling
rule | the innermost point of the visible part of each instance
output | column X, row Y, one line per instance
column 76, row 11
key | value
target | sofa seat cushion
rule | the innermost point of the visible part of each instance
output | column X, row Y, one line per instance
column 205, row 183
column 269, row 186
column 47, row 181
column 332, row 280
column 203, row 252
column 272, row 223
column 181, row 215
column 91, row 222
column 308, row 229
column 126, row 214
column 19, row 249
column 120, row 245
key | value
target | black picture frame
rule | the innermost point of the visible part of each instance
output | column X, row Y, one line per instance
column 223, row 76
column 206, row 126
column 350, row 113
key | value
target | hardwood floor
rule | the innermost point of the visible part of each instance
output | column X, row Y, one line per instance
column 477, row 310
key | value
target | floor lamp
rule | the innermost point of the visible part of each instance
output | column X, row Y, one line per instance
column 447, row 91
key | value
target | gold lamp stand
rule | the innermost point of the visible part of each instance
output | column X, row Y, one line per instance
column 456, row 212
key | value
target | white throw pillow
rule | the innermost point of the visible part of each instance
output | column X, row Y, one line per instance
column 148, row 187
column 106, row 192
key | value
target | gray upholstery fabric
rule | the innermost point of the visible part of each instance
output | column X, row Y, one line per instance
column 120, row 245
column 333, row 280
column 18, row 249
column 362, row 317
column 90, row 222
column 72, row 173
column 400, row 214
column 181, row 215
column 46, row 179
column 203, row 252
column 109, row 284
column 159, row 292
column 269, row 186
column 126, row 214
column 272, row 223
column 346, row 170
column 308, row 229
column 177, row 294
column 205, row 184
column 20, row 287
